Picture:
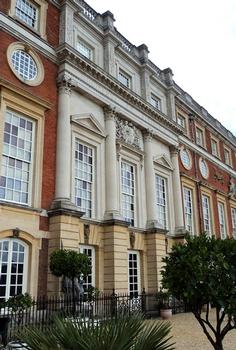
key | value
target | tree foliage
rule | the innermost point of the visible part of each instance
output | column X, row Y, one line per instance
column 203, row 271
column 69, row 263
column 127, row 333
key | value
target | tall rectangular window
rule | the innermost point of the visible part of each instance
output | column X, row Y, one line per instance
column 206, row 215
column 85, row 50
column 84, row 173
column 181, row 121
column 124, row 78
column 128, row 192
column 227, row 157
column 233, row 215
column 188, row 210
column 161, row 201
column 89, row 281
column 155, row 101
column 214, row 147
column 16, row 169
column 134, row 273
column 199, row 137
column 27, row 11
column 221, row 213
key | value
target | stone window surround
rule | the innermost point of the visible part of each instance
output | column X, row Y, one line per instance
column 88, row 46
column 227, row 149
column 30, row 109
column 207, row 192
column 183, row 148
column 201, row 159
column 24, row 47
column 209, row 213
column 43, row 6
column 202, row 129
column 221, row 199
column 157, row 99
column 220, row 206
column 26, row 258
column 93, row 270
column 218, row 146
column 187, row 183
column 137, row 253
column 182, row 117
column 131, row 157
column 166, row 194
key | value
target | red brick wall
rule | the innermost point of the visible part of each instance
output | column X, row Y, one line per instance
column 52, row 26
column 43, row 268
column 47, row 91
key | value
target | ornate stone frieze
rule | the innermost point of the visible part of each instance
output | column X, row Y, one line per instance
column 128, row 133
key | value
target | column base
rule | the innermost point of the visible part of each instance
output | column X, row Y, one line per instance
column 155, row 225
column 63, row 206
column 113, row 215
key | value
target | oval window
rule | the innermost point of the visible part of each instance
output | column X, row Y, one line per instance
column 24, row 64
column 186, row 158
column 203, row 168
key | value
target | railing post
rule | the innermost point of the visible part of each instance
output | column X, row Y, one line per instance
column 143, row 301
column 113, row 303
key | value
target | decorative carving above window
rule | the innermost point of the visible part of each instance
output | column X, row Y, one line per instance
column 128, row 133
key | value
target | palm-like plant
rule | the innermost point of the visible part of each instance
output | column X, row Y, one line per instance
column 127, row 333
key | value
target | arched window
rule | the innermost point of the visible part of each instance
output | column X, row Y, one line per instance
column 13, row 267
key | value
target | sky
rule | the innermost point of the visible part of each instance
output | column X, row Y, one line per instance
column 195, row 38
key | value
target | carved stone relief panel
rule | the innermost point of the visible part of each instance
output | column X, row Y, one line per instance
column 128, row 133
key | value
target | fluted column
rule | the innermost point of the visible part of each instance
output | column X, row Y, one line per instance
column 150, row 182
column 63, row 156
column 112, row 203
column 177, row 193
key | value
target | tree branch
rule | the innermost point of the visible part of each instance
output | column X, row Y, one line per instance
column 202, row 323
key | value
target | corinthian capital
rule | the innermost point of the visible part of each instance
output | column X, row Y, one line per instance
column 148, row 135
column 109, row 112
column 65, row 84
column 174, row 150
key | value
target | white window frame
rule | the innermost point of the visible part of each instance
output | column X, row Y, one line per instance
column 37, row 11
column 155, row 102
column 82, row 250
column 199, row 137
column 228, row 160
column 181, row 121
column 183, row 158
column 80, row 45
column 206, row 211
column 188, row 214
column 134, row 196
column 123, row 75
column 214, row 149
column 165, row 197
column 25, row 264
column 222, row 220
column 137, row 254
column 233, row 216
column 81, row 141
column 202, row 164
column 31, row 164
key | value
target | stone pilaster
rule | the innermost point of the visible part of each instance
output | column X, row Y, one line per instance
column 116, row 240
column 177, row 192
column 112, row 203
column 66, row 34
column 171, row 112
column 150, row 182
column 145, row 84
column 155, row 250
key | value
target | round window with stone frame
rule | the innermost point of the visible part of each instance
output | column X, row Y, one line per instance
column 203, row 168
column 186, row 159
column 25, row 64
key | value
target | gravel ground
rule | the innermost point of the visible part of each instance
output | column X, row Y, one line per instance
column 188, row 334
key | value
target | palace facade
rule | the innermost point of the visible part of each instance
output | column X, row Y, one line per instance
column 102, row 152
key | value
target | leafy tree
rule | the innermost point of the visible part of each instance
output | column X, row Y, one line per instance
column 127, row 333
column 203, row 271
column 71, row 264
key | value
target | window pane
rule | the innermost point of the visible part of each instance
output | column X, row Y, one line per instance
column 16, row 162
column 24, row 65
column 134, row 272
column 161, row 201
column 128, row 192
column 188, row 210
column 27, row 12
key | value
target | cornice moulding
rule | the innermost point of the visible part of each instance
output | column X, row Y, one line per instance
column 67, row 54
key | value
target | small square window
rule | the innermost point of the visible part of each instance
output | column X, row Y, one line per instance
column 124, row 78
column 181, row 121
column 85, row 50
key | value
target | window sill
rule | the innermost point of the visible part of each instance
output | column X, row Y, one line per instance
column 19, row 206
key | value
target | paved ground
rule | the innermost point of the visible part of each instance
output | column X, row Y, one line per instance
column 188, row 335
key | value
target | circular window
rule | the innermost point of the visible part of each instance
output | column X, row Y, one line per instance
column 25, row 64
column 186, row 158
column 203, row 168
